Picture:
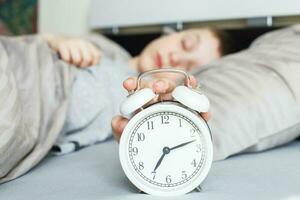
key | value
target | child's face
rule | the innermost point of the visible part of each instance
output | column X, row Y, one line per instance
column 186, row 49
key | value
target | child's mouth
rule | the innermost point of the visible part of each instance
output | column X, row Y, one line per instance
column 158, row 60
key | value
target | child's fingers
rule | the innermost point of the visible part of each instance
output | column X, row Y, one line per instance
column 163, row 86
column 96, row 54
column 75, row 54
column 193, row 82
column 118, row 124
column 130, row 84
column 73, row 50
column 86, row 57
column 91, row 54
column 206, row 115
column 159, row 86
column 64, row 53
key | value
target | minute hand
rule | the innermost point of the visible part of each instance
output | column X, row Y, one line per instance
column 181, row 145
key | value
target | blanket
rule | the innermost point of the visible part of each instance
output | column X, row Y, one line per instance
column 34, row 87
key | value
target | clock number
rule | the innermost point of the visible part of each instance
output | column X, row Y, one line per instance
column 141, row 165
column 140, row 136
column 184, row 175
column 194, row 163
column 198, row 148
column 168, row 179
column 193, row 132
column 180, row 123
column 165, row 119
column 153, row 174
column 150, row 125
column 135, row 151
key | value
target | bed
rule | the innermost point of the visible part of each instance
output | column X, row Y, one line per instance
column 95, row 173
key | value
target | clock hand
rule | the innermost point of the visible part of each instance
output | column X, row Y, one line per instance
column 159, row 162
column 166, row 150
column 181, row 145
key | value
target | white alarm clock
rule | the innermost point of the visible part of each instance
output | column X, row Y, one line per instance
column 166, row 148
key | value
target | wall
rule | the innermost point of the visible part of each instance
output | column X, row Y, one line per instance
column 63, row 16
column 73, row 17
column 108, row 13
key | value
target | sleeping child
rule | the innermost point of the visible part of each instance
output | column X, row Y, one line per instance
column 97, row 89
column 254, row 94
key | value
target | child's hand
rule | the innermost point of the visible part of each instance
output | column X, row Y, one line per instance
column 73, row 50
column 162, row 86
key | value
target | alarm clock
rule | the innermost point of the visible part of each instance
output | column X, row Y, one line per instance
column 166, row 148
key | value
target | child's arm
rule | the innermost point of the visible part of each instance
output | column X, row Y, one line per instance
column 74, row 50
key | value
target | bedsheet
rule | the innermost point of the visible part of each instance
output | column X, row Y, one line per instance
column 95, row 173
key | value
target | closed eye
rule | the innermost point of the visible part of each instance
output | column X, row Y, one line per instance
column 190, row 41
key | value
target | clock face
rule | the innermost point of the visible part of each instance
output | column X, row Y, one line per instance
column 166, row 149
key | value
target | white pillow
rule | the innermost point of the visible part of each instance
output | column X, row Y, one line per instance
column 254, row 95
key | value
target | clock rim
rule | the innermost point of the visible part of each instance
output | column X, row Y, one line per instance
column 125, row 163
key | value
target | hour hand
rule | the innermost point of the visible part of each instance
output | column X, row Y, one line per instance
column 159, row 162
column 181, row 145
column 166, row 150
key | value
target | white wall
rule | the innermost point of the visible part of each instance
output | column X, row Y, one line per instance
column 76, row 17
column 107, row 13
column 63, row 16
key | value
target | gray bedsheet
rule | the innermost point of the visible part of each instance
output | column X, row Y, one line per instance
column 95, row 173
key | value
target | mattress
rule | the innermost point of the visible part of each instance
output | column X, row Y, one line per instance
column 95, row 173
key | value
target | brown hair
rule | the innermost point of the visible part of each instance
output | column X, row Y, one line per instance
column 227, row 45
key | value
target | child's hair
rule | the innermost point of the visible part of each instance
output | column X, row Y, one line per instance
column 227, row 45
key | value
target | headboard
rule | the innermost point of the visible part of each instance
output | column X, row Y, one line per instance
column 116, row 14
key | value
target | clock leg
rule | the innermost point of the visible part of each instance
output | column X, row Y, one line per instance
column 135, row 189
column 141, row 192
column 198, row 189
